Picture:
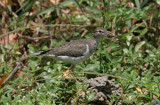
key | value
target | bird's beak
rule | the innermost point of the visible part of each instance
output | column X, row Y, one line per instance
column 111, row 35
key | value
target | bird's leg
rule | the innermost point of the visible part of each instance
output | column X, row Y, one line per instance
column 72, row 67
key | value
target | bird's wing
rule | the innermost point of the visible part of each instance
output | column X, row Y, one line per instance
column 75, row 48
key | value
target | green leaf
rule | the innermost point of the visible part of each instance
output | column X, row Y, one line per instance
column 3, row 50
column 139, row 45
column 143, row 31
column 91, row 96
column 129, row 37
column 158, row 2
column 42, row 12
column 66, row 3
column 125, row 50
column 144, row 3
column 137, row 4
column 96, row 17
column 17, row 53
column 135, row 27
column 91, row 67
column 77, row 4
column 31, row 48
column 93, row 9
column 26, row 7
column 8, row 46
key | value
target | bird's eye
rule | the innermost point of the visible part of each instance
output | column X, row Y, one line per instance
column 100, row 31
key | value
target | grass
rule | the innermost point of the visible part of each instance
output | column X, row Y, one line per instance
column 134, row 56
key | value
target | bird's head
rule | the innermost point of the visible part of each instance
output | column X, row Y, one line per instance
column 101, row 32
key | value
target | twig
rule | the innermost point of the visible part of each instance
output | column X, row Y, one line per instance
column 12, row 73
column 22, row 28
column 2, row 4
column 33, row 39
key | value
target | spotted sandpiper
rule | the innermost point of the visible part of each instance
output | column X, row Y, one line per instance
column 77, row 50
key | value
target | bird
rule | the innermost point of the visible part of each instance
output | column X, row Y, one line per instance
column 77, row 50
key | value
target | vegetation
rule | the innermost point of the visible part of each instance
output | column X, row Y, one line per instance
column 132, row 59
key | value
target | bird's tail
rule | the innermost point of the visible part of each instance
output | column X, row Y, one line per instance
column 41, row 53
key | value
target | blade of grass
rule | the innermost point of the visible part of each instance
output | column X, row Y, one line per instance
column 137, row 3
column 26, row 7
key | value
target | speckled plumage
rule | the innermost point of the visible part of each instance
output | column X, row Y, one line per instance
column 77, row 50
column 74, row 49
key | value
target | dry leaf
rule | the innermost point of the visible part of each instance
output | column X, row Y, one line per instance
column 66, row 74
column 8, row 39
column 55, row 2
column 130, row 4
column 134, row 21
column 7, row 2
column 3, row 79
column 139, row 90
